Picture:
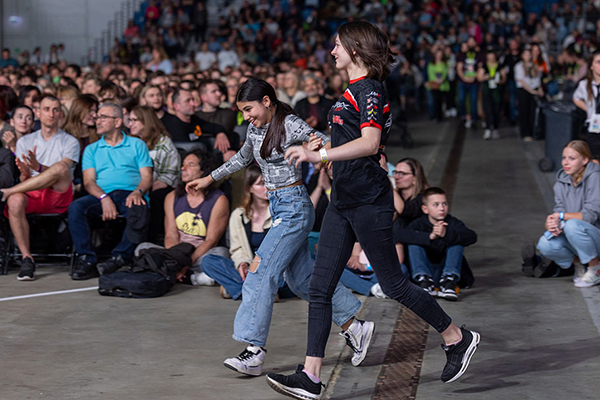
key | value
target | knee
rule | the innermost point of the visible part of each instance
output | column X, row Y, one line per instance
column 60, row 169
column 76, row 209
column 16, row 203
column 573, row 227
column 546, row 246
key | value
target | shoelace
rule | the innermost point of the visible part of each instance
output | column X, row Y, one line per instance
column 246, row 355
column 349, row 342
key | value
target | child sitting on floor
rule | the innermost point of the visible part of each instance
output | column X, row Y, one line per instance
column 441, row 261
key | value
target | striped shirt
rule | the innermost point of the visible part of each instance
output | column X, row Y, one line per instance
column 166, row 161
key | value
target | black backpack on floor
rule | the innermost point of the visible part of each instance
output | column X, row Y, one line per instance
column 152, row 274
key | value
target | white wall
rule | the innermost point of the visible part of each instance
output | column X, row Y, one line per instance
column 76, row 23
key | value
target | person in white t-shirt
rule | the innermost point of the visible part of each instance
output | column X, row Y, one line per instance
column 46, row 160
column 205, row 58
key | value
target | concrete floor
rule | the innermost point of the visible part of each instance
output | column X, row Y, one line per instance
column 540, row 337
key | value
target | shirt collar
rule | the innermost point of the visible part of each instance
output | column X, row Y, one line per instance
column 124, row 143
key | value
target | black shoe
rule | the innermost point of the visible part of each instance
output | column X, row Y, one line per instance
column 426, row 283
column 297, row 385
column 529, row 258
column 458, row 356
column 111, row 265
column 84, row 269
column 27, row 272
column 448, row 286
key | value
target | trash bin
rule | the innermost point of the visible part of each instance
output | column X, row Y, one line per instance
column 562, row 125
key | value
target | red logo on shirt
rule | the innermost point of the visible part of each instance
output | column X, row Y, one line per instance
column 338, row 120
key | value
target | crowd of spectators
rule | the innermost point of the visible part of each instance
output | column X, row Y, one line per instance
column 168, row 88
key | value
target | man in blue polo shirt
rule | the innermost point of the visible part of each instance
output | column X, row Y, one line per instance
column 117, row 173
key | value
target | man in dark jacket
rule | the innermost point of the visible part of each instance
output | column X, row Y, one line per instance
column 314, row 108
column 448, row 236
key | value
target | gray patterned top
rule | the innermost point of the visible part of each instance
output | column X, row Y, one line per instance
column 277, row 172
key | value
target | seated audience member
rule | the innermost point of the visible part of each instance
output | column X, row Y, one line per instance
column 185, row 127
column 27, row 94
column 290, row 92
column 117, row 172
column 410, row 182
column 22, row 123
column 443, row 257
column 159, row 79
column 165, row 159
column 45, row 160
column 314, row 108
column 212, row 112
column 91, row 85
column 66, row 95
column 152, row 96
column 573, row 229
column 199, row 218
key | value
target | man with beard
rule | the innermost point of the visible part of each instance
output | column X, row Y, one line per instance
column 314, row 108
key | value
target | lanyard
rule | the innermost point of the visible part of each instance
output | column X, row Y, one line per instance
column 493, row 70
column 597, row 99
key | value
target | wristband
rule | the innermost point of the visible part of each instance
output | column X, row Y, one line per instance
column 140, row 190
column 323, row 154
column 561, row 216
column 40, row 168
column 328, row 192
column 102, row 196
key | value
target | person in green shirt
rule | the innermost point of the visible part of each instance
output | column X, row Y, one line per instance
column 437, row 82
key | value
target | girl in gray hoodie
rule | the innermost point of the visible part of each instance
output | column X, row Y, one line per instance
column 573, row 229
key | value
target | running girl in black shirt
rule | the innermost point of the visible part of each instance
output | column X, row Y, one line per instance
column 361, row 209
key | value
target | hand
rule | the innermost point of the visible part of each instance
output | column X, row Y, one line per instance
column 10, row 139
column 439, row 229
column 31, row 160
column 24, row 169
column 295, row 155
column 243, row 270
column 109, row 210
column 552, row 222
column 383, row 164
column 136, row 198
column 222, row 142
column 312, row 121
column 355, row 264
column 181, row 274
column 314, row 142
column 324, row 181
column 198, row 184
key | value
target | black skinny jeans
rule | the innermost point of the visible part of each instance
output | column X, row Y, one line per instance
column 371, row 225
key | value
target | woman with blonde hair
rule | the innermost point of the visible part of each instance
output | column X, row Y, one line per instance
column 573, row 229
column 144, row 123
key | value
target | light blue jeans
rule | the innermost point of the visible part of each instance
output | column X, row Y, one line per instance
column 579, row 239
column 284, row 250
column 420, row 264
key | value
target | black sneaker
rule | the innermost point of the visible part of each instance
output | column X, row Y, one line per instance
column 458, row 356
column 426, row 283
column 111, row 265
column 27, row 272
column 84, row 269
column 297, row 385
column 448, row 286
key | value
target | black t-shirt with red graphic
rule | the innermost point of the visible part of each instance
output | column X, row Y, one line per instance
column 360, row 181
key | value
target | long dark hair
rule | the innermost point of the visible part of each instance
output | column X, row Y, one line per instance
column 255, row 90
column 590, row 76
column 371, row 45
column 252, row 174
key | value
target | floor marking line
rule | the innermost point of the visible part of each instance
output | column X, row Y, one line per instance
column 28, row 296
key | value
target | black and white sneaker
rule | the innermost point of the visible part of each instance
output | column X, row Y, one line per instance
column 27, row 272
column 458, row 356
column 448, row 287
column 298, row 385
column 249, row 362
column 358, row 338
column 425, row 282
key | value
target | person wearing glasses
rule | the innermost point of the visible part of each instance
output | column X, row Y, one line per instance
column 46, row 160
column 117, row 174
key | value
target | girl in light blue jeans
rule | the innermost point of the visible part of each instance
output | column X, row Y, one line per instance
column 274, row 128
column 573, row 229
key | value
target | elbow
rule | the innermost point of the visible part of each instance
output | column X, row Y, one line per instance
column 373, row 148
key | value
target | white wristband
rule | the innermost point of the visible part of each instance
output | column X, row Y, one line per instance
column 323, row 154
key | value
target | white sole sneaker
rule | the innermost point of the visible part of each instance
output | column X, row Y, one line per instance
column 368, row 329
column 248, row 362
column 467, row 357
